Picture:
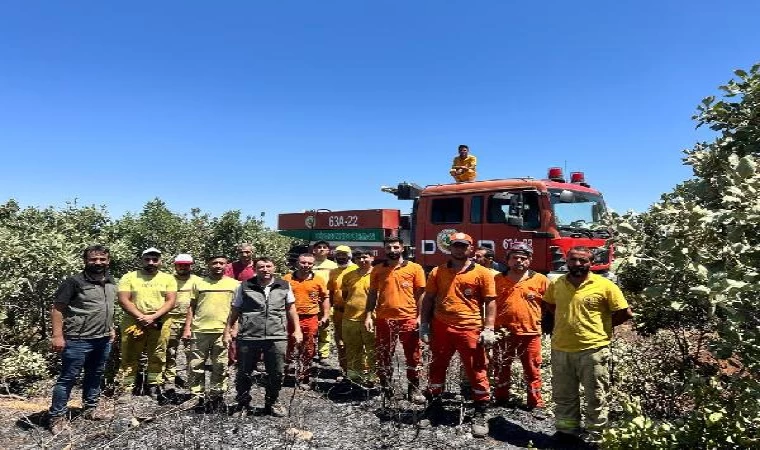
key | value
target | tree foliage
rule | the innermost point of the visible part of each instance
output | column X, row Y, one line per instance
column 40, row 247
column 691, row 264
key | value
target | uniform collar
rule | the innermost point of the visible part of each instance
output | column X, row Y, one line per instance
column 591, row 278
column 403, row 263
column 308, row 277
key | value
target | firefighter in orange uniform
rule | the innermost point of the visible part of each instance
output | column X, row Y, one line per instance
column 394, row 291
column 520, row 292
column 457, row 292
column 313, row 308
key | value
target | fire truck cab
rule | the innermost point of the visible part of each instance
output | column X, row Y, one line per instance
column 551, row 215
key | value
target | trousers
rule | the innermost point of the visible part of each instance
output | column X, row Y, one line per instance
column 528, row 349
column 88, row 355
column 387, row 333
column 444, row 341
column 589, row 368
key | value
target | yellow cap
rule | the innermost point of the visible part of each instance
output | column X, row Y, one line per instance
column 343, row 248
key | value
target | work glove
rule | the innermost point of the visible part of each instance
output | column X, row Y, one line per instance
column 425, row 332
column 134, row 330
column 487, row 337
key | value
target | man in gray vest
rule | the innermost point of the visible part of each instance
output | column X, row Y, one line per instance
column 262, row 306
column 82, row 321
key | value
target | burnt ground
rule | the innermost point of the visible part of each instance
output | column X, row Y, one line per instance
column 318, row 419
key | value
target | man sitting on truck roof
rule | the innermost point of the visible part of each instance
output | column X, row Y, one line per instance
column 463, row 166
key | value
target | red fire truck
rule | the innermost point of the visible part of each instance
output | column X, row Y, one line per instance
column 550, row 214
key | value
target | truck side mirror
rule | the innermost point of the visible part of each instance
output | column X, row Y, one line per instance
column 515, row 221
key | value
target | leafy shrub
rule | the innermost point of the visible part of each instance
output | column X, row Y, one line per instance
column 690, row 265
column 39, row 248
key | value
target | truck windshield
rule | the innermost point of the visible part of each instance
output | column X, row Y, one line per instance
column 578, row 212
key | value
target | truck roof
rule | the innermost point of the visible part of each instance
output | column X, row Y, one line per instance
column 506, row 183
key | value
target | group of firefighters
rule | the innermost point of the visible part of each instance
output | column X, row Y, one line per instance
column 243, row 313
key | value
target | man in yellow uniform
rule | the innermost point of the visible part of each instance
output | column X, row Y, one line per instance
column 204, row 326
column 322, row 268
column 586, row 307
column 175, row 372
column 463, row 167
column 345, row 265
column 146, row 296
column 360, row 343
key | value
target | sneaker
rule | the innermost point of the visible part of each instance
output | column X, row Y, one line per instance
column 432, row 413
column 98, row 413
column 275, row 409
column 479, row 424
column 415, row 396
column 58, row 424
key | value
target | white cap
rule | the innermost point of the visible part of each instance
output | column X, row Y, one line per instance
column 151, row 250
column 183, row 258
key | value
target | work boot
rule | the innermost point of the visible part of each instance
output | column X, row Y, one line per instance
column 504, row 402
column 215, row 404
column 387, row 391
column 432, row 414
column 465, row 391
column 568, row 438
column 97, row 413
column 275, row 409
column 156, row 392
column 415, row 396
column 58, row 424
column 242, row 410
column 344, row 388
column 200, row 407
column 480, row 421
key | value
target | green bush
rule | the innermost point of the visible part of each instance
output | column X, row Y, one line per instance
column 690, row 267
column 40, row 247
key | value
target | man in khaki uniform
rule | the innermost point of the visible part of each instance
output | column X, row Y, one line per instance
column 586, row 307
column 204, row 326
column 175, row 372
column 146, row 296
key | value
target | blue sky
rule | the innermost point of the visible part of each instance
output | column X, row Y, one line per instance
column 293, row 105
